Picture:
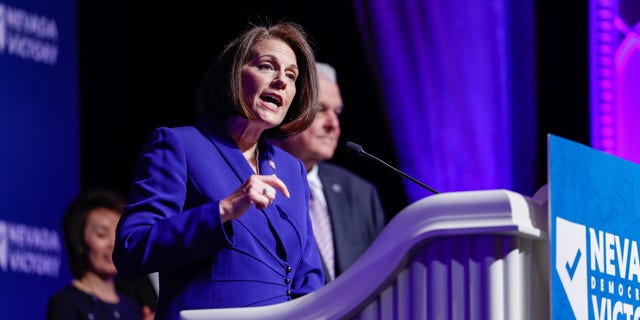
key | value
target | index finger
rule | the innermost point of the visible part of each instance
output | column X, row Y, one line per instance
column 275, row 182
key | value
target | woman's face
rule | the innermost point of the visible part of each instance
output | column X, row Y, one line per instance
column 99, row 237
column 269, row 81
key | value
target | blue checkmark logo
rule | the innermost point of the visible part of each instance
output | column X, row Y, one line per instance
column 571, row 268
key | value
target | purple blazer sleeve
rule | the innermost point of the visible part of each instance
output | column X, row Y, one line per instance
column 155, row 226
column 172, row 225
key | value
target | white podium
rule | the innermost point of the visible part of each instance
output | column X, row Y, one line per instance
column 459, row 255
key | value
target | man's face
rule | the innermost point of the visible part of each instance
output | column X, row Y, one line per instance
column 319, row 141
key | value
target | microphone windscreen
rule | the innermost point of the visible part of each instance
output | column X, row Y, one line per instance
column 353, row 148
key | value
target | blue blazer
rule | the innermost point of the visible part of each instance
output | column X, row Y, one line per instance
column 356, row 213
column 172, row 225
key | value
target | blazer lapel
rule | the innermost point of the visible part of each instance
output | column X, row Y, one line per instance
column 215, row 132
column 267, row 163
column 336, row 202
column 334, row 195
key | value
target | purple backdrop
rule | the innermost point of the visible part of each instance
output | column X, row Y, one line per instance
column 459, row 86
column 615, row 73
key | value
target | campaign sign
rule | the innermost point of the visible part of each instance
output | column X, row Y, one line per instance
column 595, row 228
column 39, row 150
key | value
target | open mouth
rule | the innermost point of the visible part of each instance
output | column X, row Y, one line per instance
column 271, row 99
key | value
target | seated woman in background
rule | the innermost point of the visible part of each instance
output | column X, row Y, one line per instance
column 89, row 229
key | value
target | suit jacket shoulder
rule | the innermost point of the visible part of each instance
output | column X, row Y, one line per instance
column 356, row 212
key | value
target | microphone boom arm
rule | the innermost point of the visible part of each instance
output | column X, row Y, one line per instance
column 364, row 153
column 355, row 148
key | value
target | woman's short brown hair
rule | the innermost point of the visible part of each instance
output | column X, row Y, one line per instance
column 220, row 92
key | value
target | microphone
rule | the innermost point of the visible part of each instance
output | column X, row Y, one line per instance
column 356, row 149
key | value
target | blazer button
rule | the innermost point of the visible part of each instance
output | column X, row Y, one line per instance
column 287, row 281
column 289, row 293
column 288, row 269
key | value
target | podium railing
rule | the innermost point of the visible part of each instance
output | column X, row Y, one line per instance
column 459, row 255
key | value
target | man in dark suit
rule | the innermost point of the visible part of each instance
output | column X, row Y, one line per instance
column 355, row 214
